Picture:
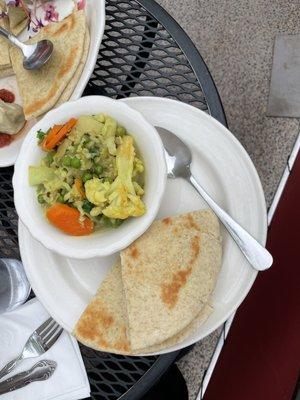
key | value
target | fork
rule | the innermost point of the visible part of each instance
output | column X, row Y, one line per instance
column 37, row 344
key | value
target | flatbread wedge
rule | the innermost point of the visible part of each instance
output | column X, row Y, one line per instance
column 41, row 89
column 18, row 19
column 103, row 325
column 168, row 276
column 4, row 44
column 182, row 335
column 67, row 93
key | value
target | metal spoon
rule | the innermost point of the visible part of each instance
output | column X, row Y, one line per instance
column 178, row 159
column 35, row 55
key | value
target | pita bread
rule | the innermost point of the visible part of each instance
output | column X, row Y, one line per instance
column 102, row 326
column 4, row 44
column 67, row 93
column 168, row 276
column 182, row 335
column 18, row 19
column 41, row 89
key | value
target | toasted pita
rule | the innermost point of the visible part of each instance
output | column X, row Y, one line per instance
column 182, row 335
column 4, row 44
column 102, row 326
column 41, row 89
column 18, row 19
column 168, row 276
column 67, row 93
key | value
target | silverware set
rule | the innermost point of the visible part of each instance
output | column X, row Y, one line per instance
column 40, row 341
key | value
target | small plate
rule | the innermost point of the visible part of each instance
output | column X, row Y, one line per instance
column 65, row 286
column 95, row 13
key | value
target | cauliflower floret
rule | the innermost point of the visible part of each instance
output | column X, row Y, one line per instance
column 96, row 191
column 123, row 200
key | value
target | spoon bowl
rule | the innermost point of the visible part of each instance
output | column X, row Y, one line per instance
column 38, row 54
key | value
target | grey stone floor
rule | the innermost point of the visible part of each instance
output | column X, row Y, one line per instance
column 236, row 40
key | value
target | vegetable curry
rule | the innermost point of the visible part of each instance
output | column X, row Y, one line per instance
column 91, row 176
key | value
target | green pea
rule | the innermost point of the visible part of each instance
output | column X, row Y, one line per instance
column 41, row 199
column 98, row 169
column 75, row 163
column 66, row 161
column 87, row 176
column 121, row 131
column 87, row 206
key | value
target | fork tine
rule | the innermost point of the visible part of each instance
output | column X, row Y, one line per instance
column 48, row 329
column 54, row 338
column 45, row 337
column 43, row 326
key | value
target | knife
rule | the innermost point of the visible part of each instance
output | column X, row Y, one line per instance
column 39, row 372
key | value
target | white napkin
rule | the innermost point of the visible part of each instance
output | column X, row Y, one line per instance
column 68, row 382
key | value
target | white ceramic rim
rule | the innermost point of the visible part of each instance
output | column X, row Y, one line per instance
column 51, row 242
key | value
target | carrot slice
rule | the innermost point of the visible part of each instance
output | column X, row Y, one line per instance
column 66, row 219
column 57, row 133
column 79, row 187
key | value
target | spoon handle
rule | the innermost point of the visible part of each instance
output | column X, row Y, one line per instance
column 9, row 36
column 255, row 253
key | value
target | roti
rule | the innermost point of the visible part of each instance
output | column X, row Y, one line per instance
column 18, row 19
column 67, row 93
column 41, row 89
column 103, row 325
column 179, row 337
column 4, row 44
column 168, row 276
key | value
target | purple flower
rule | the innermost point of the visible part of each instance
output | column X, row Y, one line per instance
column 50, row 13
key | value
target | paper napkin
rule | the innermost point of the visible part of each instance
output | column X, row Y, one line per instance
column 68, row 382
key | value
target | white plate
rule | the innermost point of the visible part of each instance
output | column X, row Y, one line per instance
column 95, row 12
column 221, row 164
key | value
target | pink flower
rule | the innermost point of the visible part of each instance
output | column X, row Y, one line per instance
column 80, row 4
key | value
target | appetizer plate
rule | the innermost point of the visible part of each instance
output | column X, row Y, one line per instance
column 95, row 12
column 65, row 286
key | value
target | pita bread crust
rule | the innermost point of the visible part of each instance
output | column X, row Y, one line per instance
column 67, row 93
column 166, row 281
column 102, row 326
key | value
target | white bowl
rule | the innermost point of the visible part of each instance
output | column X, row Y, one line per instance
column 99, row 243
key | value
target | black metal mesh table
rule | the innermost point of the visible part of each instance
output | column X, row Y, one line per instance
column 143, row 52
